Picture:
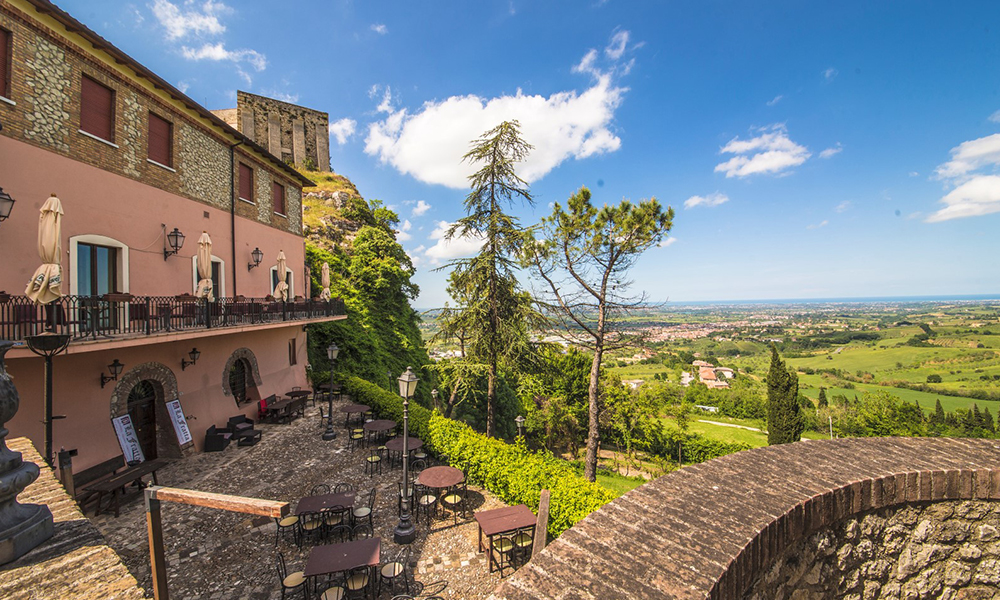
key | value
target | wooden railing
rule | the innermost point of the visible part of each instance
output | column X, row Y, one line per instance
column 119, row 315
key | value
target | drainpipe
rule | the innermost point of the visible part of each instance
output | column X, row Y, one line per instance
column 232, row 208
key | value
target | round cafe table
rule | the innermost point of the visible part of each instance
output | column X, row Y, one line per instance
column 440, row 477
column 378, row 427
column 395, row 446
column 350, row 409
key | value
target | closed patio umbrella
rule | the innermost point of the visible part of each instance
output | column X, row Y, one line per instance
column 324, row 294
column 281, row 290
column 205, row 267
column 308, row 282
column 46, row 285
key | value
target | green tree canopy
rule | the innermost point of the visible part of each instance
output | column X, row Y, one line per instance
column 784, row 414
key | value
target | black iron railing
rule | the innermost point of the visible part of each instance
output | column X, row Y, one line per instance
column 120, row 315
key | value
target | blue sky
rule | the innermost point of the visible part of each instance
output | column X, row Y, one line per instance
column 834, row 149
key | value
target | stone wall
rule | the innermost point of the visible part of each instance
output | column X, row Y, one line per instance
column 46, row 73
column 295, row 134
column 940, row 550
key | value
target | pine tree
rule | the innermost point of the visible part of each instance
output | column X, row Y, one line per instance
column 987, row 420
column 822, row 401
column 785, row 423
column 938, row 418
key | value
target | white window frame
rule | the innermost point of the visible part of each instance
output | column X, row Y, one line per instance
column 100, row 240
column 291, row 281
column 219, row 293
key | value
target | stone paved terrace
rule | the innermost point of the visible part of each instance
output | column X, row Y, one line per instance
column 219, row 555
column 716, row 529
column 75, row 563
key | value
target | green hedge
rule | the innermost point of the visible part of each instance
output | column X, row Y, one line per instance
column 513, row 473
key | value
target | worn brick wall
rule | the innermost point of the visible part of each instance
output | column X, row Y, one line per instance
column 302, row 133
column 45, row 87
column 929, row 550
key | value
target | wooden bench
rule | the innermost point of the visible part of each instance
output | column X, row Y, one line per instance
column 85, row 479
column 115, row 485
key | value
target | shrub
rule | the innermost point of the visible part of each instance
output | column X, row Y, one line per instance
column 511, row 472
column 934, row 378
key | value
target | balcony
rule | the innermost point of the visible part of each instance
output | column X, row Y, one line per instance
column 122, row 316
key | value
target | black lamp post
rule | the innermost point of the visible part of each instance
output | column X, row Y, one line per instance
column 194, row 354
column 175, row 239
column 520, row 425
column 6, row 205
column 331, row 352
column 47, row 345
column 405, row 532
column 257, row 256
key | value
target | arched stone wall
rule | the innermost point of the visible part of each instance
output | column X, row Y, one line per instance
column 248, row 355
column 713, row 530
column 165, row 383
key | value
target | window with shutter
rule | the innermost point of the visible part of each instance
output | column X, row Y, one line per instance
column 97, row 109
column 160, row 140
column 279, row 198
column 246, row 183
column 5, row 63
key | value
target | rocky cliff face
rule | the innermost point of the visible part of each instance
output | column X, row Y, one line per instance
column 323, row 222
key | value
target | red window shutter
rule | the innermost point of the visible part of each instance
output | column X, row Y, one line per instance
column 246, row 182
column 160, row 140
column 4, row 63
column 97, row 109
column 279, row 198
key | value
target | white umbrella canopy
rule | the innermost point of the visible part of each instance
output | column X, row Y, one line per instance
column 324, row 294
column 46, row 285
column 308, row 282
column 205, row 267
column 281, row 290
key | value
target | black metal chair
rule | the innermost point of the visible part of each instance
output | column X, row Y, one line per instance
column 340, row 533
column 291, row 582
column 501, row 553
column 356, row 438
column 524, row 540
column 373, row 462
column 319, row 489
column 425, row 502
column 333, row 516
column 286, row 524
column 341, row 488
column 454, row 499
column 358, row 582
column 366, row 512
column 312, row 526
column 392, row 572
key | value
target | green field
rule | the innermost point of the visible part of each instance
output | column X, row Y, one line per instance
column 809, row 385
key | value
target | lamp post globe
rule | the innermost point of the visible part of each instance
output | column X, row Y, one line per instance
column 405, row 532
column 520, row 425
column 332, row 352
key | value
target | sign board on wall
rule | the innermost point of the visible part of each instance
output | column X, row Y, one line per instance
column 180, row 423
column 127, row 439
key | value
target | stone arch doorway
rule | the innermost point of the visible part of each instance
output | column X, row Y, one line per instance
column 240, row 376
column 143, row 392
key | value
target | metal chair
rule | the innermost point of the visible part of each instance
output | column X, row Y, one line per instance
column 523, row 540
column 501, row 553
column 363, row 512
column 312, row 526
column 356, row 438
column 455, row 499
column 358, row 582
column 373, row 462
column 324, row 416
column 391, row 572
column 341, row 488
column 426, row 502
column 291, row 522
column 291, row 582
column 319, row 489
column 340, row 533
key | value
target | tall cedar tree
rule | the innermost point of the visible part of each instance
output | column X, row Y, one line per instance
column 822, row 402
column 583, row 254
column 497, row 314
column 784, row 415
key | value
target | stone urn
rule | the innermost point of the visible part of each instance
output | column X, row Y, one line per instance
column 22, row 526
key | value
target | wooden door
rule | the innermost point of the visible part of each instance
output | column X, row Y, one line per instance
column 142, row 410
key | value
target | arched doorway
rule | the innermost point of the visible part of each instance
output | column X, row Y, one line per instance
column 141, row 407
column 239, row 380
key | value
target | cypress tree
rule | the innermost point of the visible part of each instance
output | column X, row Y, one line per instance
column 938, row 417
column 987, row 420
column 785, row 423
column 822, row 401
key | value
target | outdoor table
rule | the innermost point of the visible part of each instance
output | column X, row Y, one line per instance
column 350, row 409
column 311, row 504
column 440, row 477
column 297, row 393
column 285, row 408
column 337, row 558
column 395, row 445
column 503, row 520
column 115, row 485
column 378, row 427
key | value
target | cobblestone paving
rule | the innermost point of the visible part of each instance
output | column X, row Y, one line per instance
column 220, row 555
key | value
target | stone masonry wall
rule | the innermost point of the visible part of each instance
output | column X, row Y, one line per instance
column 46, row 73
column 937, row 550
column 293, row 133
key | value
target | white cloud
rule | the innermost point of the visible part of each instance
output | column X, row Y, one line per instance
column 670, row 241
column 829, row 152
column 976, row 197
column 457, row 247
column 380, row 28
column 198, row 21
column 770, row 152
column 421, row 208
column 586, row 64
column 429, row 144
column 914, row 174
column 830, row 74
column 970, row 156
column 995, row 117
column 385, row 106
column 843, row 206
column 710, row 200
column 402, row 234
column 343, row 129
column 822, row 224
column 616, row 48
column 183, row 86
column 219, row 52
column 775, row 100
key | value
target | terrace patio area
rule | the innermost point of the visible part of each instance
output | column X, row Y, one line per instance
column 220, row 555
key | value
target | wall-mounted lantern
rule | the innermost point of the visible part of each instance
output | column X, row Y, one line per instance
column 257, row 256
column 175, row 241
column 194, row 354
column 6, row 205
column 115, row 368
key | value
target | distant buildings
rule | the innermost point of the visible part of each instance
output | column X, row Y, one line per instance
column 708, row 374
